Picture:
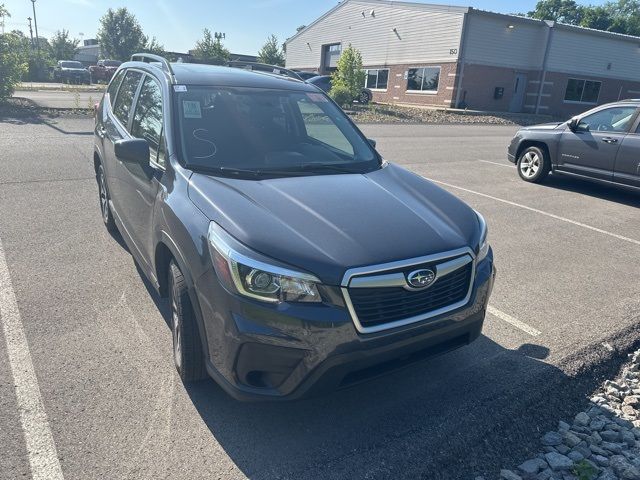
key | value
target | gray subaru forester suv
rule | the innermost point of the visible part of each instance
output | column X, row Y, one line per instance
column 294, row 257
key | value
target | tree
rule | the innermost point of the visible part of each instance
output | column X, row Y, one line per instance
column 564, row 11
column 13, row 60
column 153, row 46
column 120, row 35
column 624, row 16
column 62, row 47
column 271, row 53
column 621, row 16
column 349, row 75
column 211, row 50
column 596, row 17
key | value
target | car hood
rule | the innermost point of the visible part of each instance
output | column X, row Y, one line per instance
column 326, row 224
column 544, row 126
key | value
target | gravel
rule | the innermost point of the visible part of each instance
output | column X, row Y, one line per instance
column 376, row 113
column 601, row 443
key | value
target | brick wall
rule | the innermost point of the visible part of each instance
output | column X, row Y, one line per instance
column 555, row 87
column 480, row 81
column 396, row 91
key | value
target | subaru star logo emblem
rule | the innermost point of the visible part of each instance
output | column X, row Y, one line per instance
column 421, row 278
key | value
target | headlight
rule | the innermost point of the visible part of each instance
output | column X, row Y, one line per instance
column 483, row 249
column 256, row 278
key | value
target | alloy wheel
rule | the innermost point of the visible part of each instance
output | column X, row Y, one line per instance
column 177, row 330
column 530, row 164
column 104, row 198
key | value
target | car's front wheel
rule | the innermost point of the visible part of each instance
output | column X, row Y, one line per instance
column 533, row 164
column 187, row 349
column 105, row 209
column 365, row 97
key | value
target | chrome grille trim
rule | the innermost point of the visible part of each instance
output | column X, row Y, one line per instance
column 363, row 277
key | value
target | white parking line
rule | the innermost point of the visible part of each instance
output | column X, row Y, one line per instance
column 513, row 321
column 41, row 448
column 551, row 215
column 508, row 165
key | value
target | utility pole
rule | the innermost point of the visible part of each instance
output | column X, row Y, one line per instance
column 218, row 35
column 31, row 32
column 35, row 21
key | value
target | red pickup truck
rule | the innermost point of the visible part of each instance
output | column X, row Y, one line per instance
column 104, row 70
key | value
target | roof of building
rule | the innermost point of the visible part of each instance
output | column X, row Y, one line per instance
column 441, row 7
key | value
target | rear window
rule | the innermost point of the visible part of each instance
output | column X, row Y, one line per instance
column 126, row 92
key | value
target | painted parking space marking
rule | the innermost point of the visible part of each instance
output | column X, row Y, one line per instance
column 541, row 212
column 498, row 164
column 513, row 321
column 41, row 449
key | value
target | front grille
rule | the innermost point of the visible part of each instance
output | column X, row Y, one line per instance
column 377, row 306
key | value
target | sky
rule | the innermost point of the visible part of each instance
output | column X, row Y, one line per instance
column 177, row 25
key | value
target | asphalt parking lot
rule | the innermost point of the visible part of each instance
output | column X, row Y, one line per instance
column 565, row 307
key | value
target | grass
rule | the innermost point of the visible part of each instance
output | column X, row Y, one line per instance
column 584, row 470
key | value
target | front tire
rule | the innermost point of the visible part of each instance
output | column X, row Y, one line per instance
column 187, row 349
column 365, row 97
column 105, row 209
column 534, row 165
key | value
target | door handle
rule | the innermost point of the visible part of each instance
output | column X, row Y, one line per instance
column 610, row 140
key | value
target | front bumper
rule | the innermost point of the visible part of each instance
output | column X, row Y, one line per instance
column 285, row 352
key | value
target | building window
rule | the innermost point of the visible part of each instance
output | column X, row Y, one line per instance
column 423, row 79
column 582, row 91
column 377, row 79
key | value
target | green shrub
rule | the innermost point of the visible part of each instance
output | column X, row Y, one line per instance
column 349, row 73
column 13, row 64
column 341, row 95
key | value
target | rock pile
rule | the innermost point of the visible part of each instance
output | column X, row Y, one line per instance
column 600, row 443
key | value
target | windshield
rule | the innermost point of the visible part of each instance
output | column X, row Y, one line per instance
column 261, row 131
column 71, row 65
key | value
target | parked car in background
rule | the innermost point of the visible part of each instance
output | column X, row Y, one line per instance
column 305, row 75
column 323, row 82
column 602, row 145
column 294, row 257
column 104, row 70
column 70, row 71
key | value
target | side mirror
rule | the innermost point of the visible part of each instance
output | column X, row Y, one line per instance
column 573, row 124
column 135, row 150
column 372, row 142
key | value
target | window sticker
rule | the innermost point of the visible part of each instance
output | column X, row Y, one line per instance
column 179, row 88
column 317, row 97
column 191, row 109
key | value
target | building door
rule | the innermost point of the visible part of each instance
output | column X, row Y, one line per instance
column 519, row 88
column 330, row 56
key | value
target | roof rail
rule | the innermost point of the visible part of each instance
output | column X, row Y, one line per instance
column 263, row 67
column 151, row 58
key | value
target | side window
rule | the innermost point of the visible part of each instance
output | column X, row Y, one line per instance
column 320, row 127
column 147, row 118
column 113, row 86
column 127, row 91
column 615, row 119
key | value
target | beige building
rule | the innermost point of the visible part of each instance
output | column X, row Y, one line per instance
column 461, row 57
